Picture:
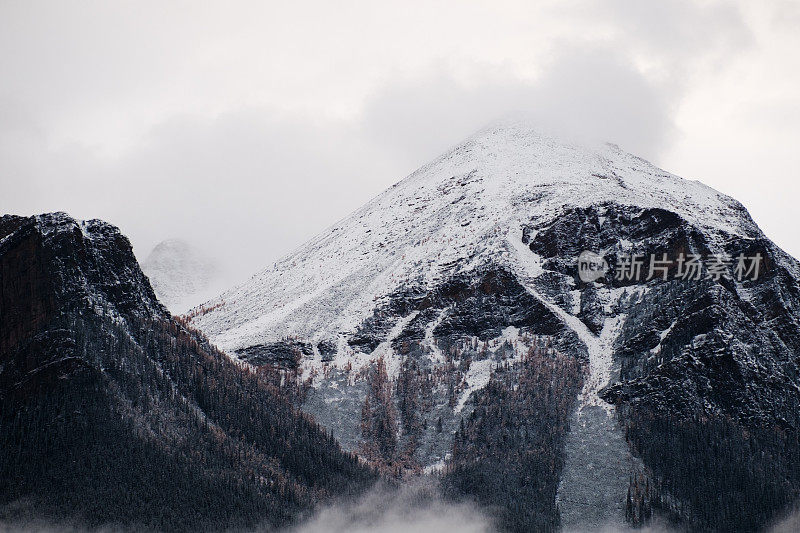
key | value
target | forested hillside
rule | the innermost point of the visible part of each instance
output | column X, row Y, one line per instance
column 113, row 412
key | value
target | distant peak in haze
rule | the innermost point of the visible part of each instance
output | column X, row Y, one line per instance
column 181, row 274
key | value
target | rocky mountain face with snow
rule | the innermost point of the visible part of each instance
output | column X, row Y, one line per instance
column 181, row 275
column 114, row 414
column 443, row 327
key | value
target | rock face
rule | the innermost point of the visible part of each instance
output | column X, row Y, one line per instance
column 181, row 275
column 557, row 403
column 114, row 413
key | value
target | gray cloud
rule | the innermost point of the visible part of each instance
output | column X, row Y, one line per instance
column 679, row 29
column 787, row 524
column 585, row 91
column 252, row 178
column 246, row 185
column 419, row 507
column 412, row 507
column 251, row 184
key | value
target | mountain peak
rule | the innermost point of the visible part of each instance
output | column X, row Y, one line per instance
column 466, row 208
column 452, row 301
column 181, row 274
column 95, row 263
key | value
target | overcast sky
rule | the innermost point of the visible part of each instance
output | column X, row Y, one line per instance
column 248, row 127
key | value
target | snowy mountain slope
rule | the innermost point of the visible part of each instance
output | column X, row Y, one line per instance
column 465, row 208
column 452, row 298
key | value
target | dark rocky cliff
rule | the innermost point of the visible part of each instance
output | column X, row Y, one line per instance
column 114, row 413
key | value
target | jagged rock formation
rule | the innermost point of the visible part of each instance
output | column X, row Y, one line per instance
column 462, row 278
column 181, row 275
column 114, row 413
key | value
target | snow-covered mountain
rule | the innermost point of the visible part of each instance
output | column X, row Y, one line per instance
column 467, row 207
column 182, row 276
column 452, row 302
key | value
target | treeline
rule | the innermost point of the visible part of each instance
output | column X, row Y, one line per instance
column 508, row 455
column 142, row 423
column 712, row 473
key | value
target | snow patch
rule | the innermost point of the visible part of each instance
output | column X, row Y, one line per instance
column 476, row 379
